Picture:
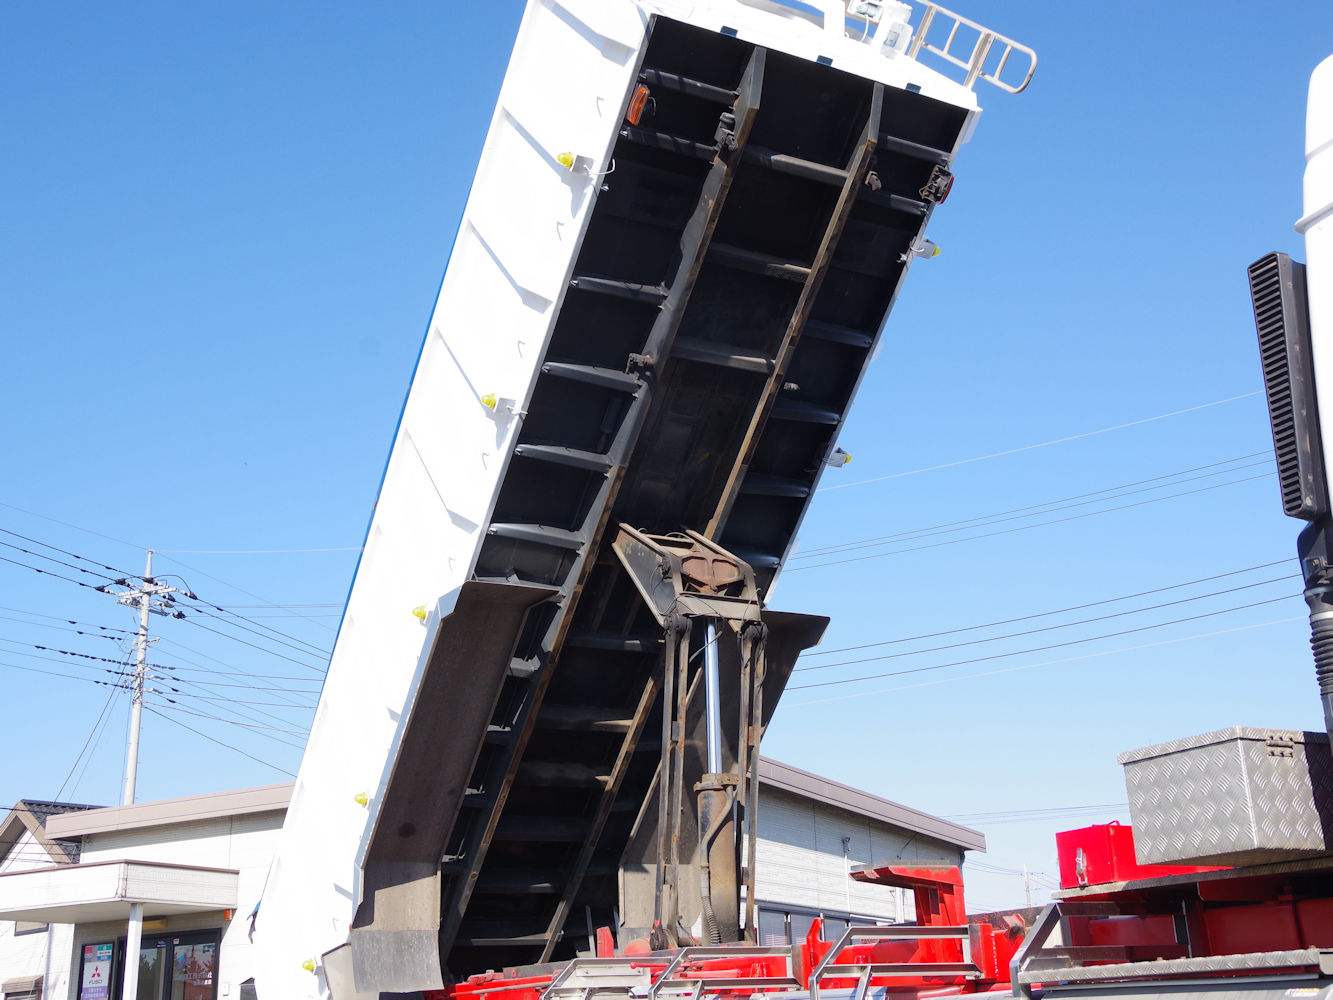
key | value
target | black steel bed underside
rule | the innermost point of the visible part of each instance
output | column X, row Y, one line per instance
column 726, row 297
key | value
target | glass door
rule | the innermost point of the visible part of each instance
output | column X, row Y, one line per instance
column 175, row 967
column 194, row 967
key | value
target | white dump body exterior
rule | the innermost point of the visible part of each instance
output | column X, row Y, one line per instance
column 572, row 64
column 1316, row 224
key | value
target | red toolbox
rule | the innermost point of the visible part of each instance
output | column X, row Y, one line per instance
column 1095, row 855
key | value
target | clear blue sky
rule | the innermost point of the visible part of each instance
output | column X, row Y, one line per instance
column 223, row 231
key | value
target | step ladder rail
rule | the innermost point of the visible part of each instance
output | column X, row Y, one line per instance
column 1041, row 961
column 974, row 65
column 586, row 978
column 672, row 983
column 830, row 967
column 1033, row 942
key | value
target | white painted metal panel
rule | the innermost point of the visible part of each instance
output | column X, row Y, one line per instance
column 1317, row 225
column 525, row 217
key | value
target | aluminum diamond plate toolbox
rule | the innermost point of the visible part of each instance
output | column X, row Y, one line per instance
column 1238, row 796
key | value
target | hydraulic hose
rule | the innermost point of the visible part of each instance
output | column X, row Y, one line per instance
column 1321, row 643
column 712, row 932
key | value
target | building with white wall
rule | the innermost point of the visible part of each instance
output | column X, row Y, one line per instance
column 69, row 875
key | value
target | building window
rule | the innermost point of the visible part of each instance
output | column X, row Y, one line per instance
column 23, row 988
column 773, row 929
column 835, row 927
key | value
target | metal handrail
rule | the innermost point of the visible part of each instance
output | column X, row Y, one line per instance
column 974, row 66
column 829, row 967
column 633, row 968
column 1065, row 962
column 696, row 984
column 1033, row 941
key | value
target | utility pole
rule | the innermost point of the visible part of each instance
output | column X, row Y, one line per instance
column 150, row 598
column 1027, row 887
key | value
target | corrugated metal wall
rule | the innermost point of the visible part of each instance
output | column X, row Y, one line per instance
column 803, row 866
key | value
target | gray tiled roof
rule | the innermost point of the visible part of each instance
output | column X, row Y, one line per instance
column 41, row 811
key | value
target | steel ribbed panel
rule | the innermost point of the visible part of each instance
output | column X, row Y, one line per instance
column 1237, row 796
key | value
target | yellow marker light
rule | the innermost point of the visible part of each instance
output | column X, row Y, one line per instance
column 360, row 798
column 490, row 401
column 308, row 965
column 846, row 458
column 565, row 160
column 420, row 611
column 936, row 253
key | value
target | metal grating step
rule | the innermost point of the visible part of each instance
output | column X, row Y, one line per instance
column 604, row 378
column 542, row 534
column 916, row 150
column 836, row 334
column 668, row 143
column 896, row 202
column 758, row 484
column 785, row 163
column 560, row 774
column 583, row 718
column 792, row 409
column 692, row 349
column 570, row 457
column 757, row 263
column 684, row 85
column 635, row 291
column 613, row 642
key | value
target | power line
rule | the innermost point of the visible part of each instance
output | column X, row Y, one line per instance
column 1051, row 811
column 1064, row 503
column 1029, row 527
column 290, row 645
column 65, row 552
column 235, row 749
column 235, row 706
column 246, row 673
column 88, row 742
column 234, row 673
column 266, row 732
column 1036, row 649
column 58, row 562
column 1041, row 444
column 1051, row 628
column 52, row 659
column 1047, row 614
column 196, row 652
column 266, row 603
column 1050, row 663
column 288, row 617
column 260, row 606
column 76, row 527
column 62, row 628
column 68, row 621
column 97, row 742
column 56, row 673
column 254, row 687
column 235, row 638
column 64, row 652
column 47, row 572
column 257, row 552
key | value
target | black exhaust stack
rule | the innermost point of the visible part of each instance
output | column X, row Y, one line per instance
column 1282, row 319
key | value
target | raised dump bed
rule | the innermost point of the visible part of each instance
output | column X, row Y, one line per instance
column 687, row 228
